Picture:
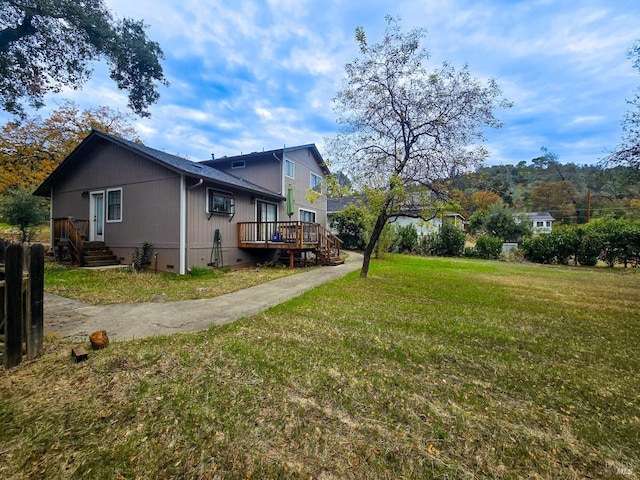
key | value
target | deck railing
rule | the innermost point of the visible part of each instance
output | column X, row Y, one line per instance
column 71, row 232
column 289, row 235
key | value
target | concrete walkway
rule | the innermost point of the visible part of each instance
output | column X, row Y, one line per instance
column 126, row 321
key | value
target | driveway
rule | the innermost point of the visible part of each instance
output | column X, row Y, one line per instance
column 126, row 321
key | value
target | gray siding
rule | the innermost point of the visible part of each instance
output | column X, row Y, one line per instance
column 150, row 201
column 305, row 163
column 266, row 173
column 201, row 227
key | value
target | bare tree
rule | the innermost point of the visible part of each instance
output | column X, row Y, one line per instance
column 407, row 129
column 628, row 152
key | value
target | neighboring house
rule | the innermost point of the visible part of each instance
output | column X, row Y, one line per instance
column 432, row 226
column 540, row 222
column 334, row 205
column 114, row 194
column 423, row 227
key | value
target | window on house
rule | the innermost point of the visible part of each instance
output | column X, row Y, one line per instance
column 539, row 224
column 307, row 216
column 114, row 205
column 237, row 164
column 289, row 168
column 316, row 182
column 218, row 202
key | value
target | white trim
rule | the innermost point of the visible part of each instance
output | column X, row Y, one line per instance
column 315, row 214
column 293, row 168
column 183, row 225
column 92, row 212
column 106, row 200
column 311, row 186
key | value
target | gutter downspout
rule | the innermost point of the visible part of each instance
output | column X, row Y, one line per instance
column 183, row 226
column 186, row 224
column 281, row 171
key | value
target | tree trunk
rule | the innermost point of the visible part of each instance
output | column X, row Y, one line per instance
column 375, row 235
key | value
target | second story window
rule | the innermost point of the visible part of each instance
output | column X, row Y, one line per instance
column 289, row 168
column 316, row 183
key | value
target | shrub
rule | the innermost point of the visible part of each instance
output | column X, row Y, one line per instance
column 351, row 226
column 470, row 252
column 488, row 247
column 449, row 241
column 141, row 256
column 406, row 239
column 539, row 249
column 426, row 245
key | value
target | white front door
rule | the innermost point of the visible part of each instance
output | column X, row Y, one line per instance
column 96, row 217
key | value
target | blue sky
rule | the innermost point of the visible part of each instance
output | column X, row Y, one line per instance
column 248, row 75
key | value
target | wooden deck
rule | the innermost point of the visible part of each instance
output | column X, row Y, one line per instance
column 292, row 237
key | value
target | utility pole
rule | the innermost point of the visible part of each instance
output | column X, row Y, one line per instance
column 588, row 204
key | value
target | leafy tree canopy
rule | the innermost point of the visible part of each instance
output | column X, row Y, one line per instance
column 30, row 150
column 405, row 126
column 49, row 44
column 558, row 198
column 22, row 210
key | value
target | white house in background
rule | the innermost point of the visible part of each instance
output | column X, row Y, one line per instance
column 540, row 222
column 423, row 227
column 432, row 226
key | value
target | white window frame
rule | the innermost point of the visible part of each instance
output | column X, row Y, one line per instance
column 312, row 212
column 315, row 186
column 108, row 218
column 236, row 164
column 226, row 196
column 288, row 162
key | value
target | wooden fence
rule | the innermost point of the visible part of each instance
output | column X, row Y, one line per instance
column 21, row 301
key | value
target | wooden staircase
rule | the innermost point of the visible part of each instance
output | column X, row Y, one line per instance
column 97, row 254
column 328, row 249
column 70, row 243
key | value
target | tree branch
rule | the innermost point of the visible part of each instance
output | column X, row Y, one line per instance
column 9, row 36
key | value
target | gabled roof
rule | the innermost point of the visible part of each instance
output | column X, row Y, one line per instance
column 539, row 216
column 268, row 155
column 172, row 162
column 339, row 203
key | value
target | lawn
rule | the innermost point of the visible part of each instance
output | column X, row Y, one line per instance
column 102, row 287
column 429, row 368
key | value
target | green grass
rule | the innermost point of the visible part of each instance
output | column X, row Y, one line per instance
column 429, row 368
column 100, row 287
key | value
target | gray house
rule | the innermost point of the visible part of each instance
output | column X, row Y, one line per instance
column 110, row 195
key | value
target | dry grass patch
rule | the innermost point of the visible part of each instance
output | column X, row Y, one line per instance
column 430, row 368
column 101, row 287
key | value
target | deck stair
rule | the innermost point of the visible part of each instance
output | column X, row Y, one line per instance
column 70, row 244
column 97, row 254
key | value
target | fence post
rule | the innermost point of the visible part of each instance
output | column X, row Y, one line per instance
column 13, row 304
column 35, row 325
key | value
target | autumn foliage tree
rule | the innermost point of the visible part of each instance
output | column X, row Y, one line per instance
column 30, row 150
column 558, row 198
column 407, row 128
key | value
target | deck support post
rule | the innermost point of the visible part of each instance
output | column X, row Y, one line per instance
column 291, row 254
